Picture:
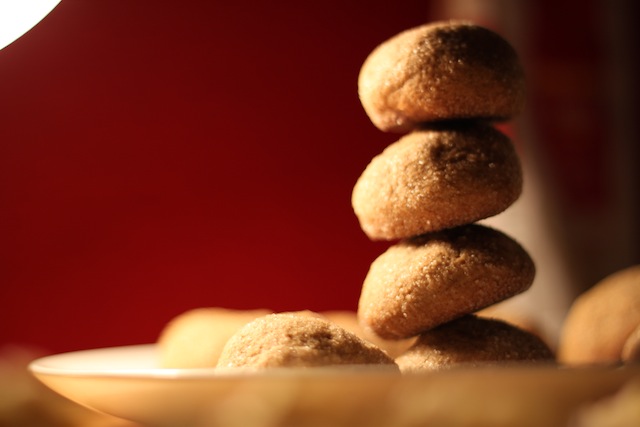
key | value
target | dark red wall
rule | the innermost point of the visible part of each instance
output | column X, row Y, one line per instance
column 157, row 156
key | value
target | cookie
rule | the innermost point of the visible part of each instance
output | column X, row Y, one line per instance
column 422, row 282
column 437, row 177
column 473, row 341
column 601, row 319
column 195, row 338
column 290, row 340
column 441, row 71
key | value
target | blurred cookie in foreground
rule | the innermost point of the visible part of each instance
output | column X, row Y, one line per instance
column 428, row 280
column 437, row 177
column 473, row 341
column 291, row 340
column 195, row 338
column 441, row 71
column 601, row 320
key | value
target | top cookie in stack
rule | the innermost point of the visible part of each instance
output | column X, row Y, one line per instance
column 441, row 71
column 444, row 84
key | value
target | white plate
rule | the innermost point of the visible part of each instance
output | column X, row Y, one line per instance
column 126, row 382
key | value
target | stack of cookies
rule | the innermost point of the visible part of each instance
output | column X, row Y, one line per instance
column 444, row 86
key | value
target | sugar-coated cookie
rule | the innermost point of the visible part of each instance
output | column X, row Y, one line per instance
column 441, row 71
column 291, row 340
column 422, row 282
column 472, row 341
column 435, row 178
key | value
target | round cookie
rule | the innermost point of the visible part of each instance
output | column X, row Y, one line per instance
column 437, row 177
column 290, row 340
column 195, row 338
column 473, row 341
column 601, row 319
column 441, row 71
column 422, row 282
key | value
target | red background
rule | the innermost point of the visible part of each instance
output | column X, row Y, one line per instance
column 157, row 156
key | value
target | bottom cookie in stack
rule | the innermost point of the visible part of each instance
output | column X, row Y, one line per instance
column 472, row 341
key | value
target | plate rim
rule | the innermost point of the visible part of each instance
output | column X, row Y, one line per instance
column 42, row 366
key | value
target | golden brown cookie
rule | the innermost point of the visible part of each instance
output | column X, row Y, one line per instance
column 194, row 339
column 437, row 177
column 441, row 71
column 601, row 320
column 472, row 341
column 290, row 340
column 425, row 281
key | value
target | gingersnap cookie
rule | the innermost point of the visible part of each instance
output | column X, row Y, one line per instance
column 195, row 338
column 473, row 341
column 290, row 340
column 601, row 319
column 441, row 71
column 435, row 178
column 422, row 282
